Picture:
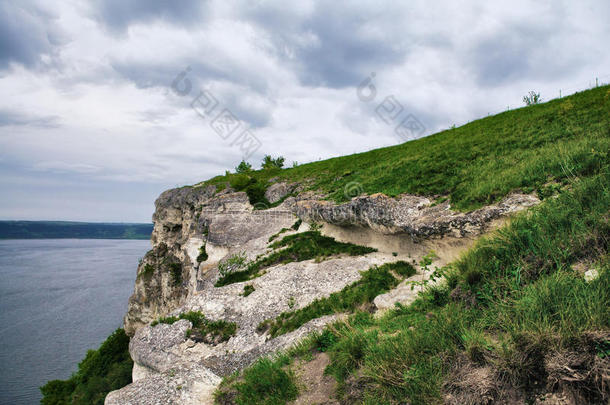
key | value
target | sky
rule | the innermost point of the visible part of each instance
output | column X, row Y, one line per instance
column 107, row 103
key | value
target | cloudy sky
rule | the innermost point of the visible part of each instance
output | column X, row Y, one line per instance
column 96, row 121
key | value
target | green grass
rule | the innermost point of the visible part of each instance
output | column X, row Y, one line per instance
column 509, row 303
column 374, row 281
column 101, row 371
column 248, row 289
column 295, row 248
column 275, row 235
column 203, row 255
column 207, row 330
column 266, row 382
column 475, row 164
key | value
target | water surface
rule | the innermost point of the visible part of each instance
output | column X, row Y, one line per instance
column 58, row 298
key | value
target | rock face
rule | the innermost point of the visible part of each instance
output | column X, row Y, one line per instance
column 409, row 215
column 195, row 228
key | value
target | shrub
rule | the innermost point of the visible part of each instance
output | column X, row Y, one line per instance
column 256, row 195
column 234, row 263
column 248, row 289
column 148, row 270
column 240, row 181
column 270, row 163
column 203, row 256
column 176, row 272
column 243, row 167
column 101, row 371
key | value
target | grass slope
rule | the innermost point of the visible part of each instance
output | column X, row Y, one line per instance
column 513, row 319
column 475, row 164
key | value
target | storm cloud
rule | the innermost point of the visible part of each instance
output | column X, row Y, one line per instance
column 88, row 113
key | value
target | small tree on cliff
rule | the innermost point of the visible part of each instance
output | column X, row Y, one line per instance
column 270, row 163
column 243, row 167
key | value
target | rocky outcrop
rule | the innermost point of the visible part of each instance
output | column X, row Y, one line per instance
column 277, row 191
column 196, row 227
column 410, row 215
column 187, row 220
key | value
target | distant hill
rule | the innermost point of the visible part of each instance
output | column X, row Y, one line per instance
column 76, row 230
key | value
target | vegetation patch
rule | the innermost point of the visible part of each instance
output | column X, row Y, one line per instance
column 147, row 271
column 203, row 256
column 175, row 270
column 203, row 330
column 101, row 371
column 512, row 321
column 377, row 280
column 293, row 248
column 267, row 381
column 236, row 263
column 296, row 225
column 248, row 289
column 275, row 235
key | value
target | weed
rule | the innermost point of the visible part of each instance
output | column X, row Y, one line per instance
column 248, row 289
column 527, row 328
column 265, row 382
column 275, row 235
column 325, row 340
column 235, row 263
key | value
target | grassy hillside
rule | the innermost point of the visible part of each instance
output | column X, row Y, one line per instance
column 475, row 164
column 523, row 314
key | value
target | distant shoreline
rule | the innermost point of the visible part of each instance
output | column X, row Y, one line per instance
column 73, row 230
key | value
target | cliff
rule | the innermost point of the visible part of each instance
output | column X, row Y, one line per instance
column 245, row 265
column 175, row 277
